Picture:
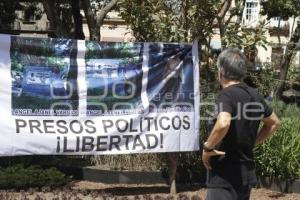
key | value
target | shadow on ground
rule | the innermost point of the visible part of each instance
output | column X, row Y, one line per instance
column 132, row 191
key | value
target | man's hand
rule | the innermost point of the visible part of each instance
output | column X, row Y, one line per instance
column 271, row 124
column 206, row 157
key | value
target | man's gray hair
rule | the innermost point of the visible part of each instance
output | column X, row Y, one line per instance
column 232, row 64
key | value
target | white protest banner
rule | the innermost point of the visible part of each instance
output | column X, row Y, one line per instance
column 75, row 97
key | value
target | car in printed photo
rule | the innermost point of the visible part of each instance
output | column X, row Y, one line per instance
column 44, row 81
column 111, row 74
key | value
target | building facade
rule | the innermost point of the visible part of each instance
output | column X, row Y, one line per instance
column 278, row 33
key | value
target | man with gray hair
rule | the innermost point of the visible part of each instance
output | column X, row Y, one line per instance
column 228, row 151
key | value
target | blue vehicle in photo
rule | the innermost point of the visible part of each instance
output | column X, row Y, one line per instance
column 44, row 81
column 99, row 70
column 109, row 74
column 102, row 74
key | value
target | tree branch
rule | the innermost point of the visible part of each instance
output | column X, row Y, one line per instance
column 91, row 20
column 224, row 9
column 237, row 11
column 53, row 17
column 105, row 10
column 289, row 53
column 78, row 33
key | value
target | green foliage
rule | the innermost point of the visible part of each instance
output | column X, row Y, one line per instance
column 31, row 9
column 44, row 52
column 19, row 177
column 245, row 38
column 208, row 75
column 293, row 75
column 266, row 79
column 284, row 9
column 279, row 157
column 281, row 8
column 183, row 21
column 286, row 110
column 180, row 21
column 112, row 50
column 45, row 161
column 7, row 14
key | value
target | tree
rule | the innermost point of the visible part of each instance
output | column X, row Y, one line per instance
column 186, row 20
column 54, row 19
column 77, row 17
column 64, row 16
column 168, row 20
column 291, row 48
column 59, row 14
column 95, row 13
column 180, row 21
column 285, row 9
column 225, row 22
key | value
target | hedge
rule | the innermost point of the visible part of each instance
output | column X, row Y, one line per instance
column 279, row 157
column 20, row 177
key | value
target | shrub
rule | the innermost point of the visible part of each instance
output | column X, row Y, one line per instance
column 279, row 157
column 19, row 177
column 266, row 79
column 285, row 110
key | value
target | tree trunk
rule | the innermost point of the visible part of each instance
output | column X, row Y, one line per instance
column 283, row 74
column 78, row 33
column 289, row 52
column 185, row 24
column 103, row 12
column 224, row 9
column 278, row 32
column 96, row 21
column 94, row 29
column 241, row 11
column 54, row 19
column 221, row 20
column 222, row 33
column 173, row 161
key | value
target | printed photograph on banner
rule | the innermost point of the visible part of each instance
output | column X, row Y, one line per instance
column 44, row 77
column 170, row 77
column 114, row 77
